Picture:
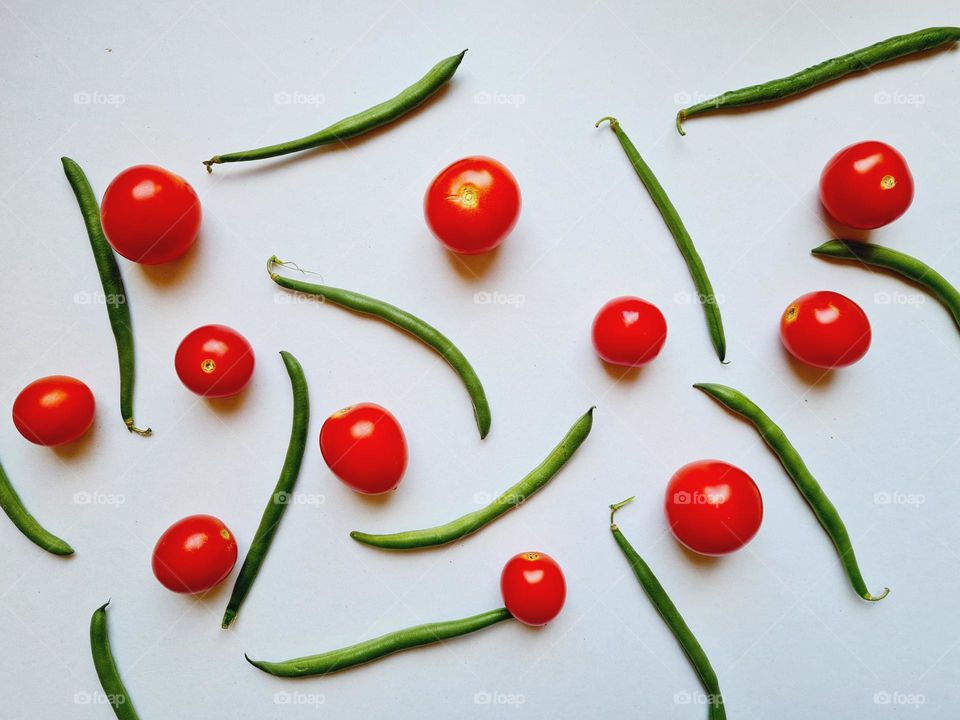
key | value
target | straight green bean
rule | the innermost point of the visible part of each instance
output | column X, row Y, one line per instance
column 106, row 666
column 27, row 523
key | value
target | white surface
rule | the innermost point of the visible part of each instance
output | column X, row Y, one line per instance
column 785, row 632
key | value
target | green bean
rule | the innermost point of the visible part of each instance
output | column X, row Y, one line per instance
column 825, row 72
column 115, row 296
column 428, row 334
column 672, row 219
column 806, row 483
column 671, row 616
column 364, row 652
column 106, row 666
column 27, row 523
column 277, row 505
column 514, row 496
column 900, row 263
column 363, row 122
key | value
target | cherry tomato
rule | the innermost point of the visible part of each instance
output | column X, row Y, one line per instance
column 214, row 361
column 629, row 331
column 54, row 410
column 825, row 329
column 712, row 507
column 866, row 185
column 472, row 205
column 365, row 447
column 150, row 215
column 533, row 588
column 194, row 554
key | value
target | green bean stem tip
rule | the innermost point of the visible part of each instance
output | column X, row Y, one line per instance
column 617, row 506
column 681, row 116
column 139, row 431
column 612, row 120
column 215, row 160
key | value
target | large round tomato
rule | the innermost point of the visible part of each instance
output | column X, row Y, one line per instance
column 150, row 215
column 194, row 554
column 54, row 410
column 825, row 329
column 472, row 205
column 365, row 447
column 629, row 331
column 713, row 507
column 866, row 185
column 214, row 361
column 533, row 588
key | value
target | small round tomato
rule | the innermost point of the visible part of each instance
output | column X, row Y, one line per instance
column 825, row 329
column 214, row 361
column 194, row 554
column 365, row 447
column 54, row 410
column 629, row 331
column 866, row 185
column 472, row 205
column 713, row 508
column 150, row 215
column 533, row 588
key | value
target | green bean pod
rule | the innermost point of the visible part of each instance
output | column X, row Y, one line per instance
column 898, row 262
column 428, row 334
column 471, row 522
column 115, row 296
column 671, row 616
column 827, row 71
column 684, row 242
column 806, row 483
column 106, row 666
column 277, row 505
column 363, row 122
column 364, row 652
column 27, row 523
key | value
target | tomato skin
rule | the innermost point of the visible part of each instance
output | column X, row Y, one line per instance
column 866, row 185
column 825, row 329
column 533, row 588
column 365, row 447
column 194, row 554
column 150, row 215
column 54, row 410
column 712, row 507
column 215, row 361
column 629, row 331
column 472, row 205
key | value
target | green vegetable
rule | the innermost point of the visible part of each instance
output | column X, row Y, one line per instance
column 27, row 523
column 106, row 666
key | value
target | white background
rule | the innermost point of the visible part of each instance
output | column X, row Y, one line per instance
column 173, row 83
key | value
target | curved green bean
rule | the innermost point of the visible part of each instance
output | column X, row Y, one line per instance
column 514, row 496
column 106, row 666
column 671, row 616
column 428, row 334
column 364, row 652
column 115, row 296
column 806, row 483
column 27, row 523
column 277, row 505
column 827, row 71
column 363, row 122
column 900, row 263
column 672, row 219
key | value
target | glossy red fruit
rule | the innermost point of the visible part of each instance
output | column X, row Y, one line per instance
column 215, row 361
column 533, row 588
column 866, row 185
column 365, row 447
column 825, row 329
column 54, row 410
column 629, row 331
column 194, row 554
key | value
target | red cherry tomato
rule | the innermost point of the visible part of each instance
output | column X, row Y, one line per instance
column 472, row 205
column 629, row 331
column 533, row 588
column 365, row 447
column 214, row 361
column 713, row 507
column 150, row 215
column 866, row 185
column 825, row 329
column 54, row 410
column 194, row 554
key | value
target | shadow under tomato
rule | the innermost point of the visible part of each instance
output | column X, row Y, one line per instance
column 228, row 405
column 840, row 231
column 815, row 378
column 171, row 274
column 471, row 268
column 620, row 373
column 81, row 445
